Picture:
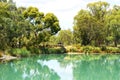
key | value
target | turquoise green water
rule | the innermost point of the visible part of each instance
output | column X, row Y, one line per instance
column 62, row 67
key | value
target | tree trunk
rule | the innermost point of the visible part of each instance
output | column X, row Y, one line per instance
column 115, row 43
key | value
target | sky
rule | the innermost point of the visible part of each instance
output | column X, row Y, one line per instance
column 65, row 10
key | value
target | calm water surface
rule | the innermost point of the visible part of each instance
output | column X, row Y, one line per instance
column 63, row 67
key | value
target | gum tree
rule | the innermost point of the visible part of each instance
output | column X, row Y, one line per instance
column 90, row 24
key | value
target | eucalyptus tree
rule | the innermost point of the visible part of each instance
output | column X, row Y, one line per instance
column 3, row 0
column 113, row 24
column 98, row 11
column 7, row 1
column 43, row 26
column 84, row 27
column 5, row 22
column 90, row 24
column 65, row 37
column 12, row 25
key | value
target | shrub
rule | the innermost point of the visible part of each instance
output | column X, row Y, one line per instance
column 73, row 49
column 113, row 50
column 19, row 52
column 96, row 50
column 77, row 46
column 52, row 51
column 35, row 50
column 87, row 49
column 56, row 50
column 118, row 46
column 103, row 48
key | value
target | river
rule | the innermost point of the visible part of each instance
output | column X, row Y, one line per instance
column 62, row 67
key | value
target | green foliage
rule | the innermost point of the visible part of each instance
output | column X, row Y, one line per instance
column 87, row 49
column 103, row 48
column 113, row 50
column 91, row 49
column 113, row 25
column 78, row 46
column 7, row 12
column 28, row 27
column 96, row 50
column 53, row 40
column 73, row 49
column 53, row 51
column 98, row 9
column 25, row 27
column 3, row 0
column 57, row 50
column 19, row 52
column 43, row 26
column 98, row 25
column 34, row 50
column 64, row 36
column 80, row 29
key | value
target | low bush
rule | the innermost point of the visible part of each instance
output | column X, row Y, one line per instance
column 91, row 49
column 57, row 50
column 71, row 49
column 118, row 46
column 35, row 50
column 19, row 52
column 52, row 51
column 113, row 50
column 96, row 50
column 87, row 49
column 103, row 48
column 78, row 46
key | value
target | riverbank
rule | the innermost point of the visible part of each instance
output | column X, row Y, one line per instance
column 92, row 49
column 16, row 53
column 6, row 57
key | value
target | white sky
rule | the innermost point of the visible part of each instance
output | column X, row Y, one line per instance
column 65, row 10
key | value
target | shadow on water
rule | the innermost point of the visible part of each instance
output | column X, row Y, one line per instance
column 63, row 67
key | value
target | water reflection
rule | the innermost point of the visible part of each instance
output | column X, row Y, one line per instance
column 101, row 69
column 63, row 67
column 27, row 69
column 64, row 72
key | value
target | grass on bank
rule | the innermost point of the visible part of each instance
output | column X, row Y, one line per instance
column 91, row 49
column 23, row 52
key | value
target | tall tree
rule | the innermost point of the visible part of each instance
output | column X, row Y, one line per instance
column 3, row 0
column 113, row 24
column 43, row 26
column 98, row 11
column 83, row 28
column 90, row 24
column 65, row 37
column 25, row 27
